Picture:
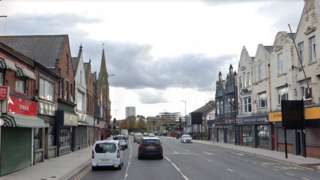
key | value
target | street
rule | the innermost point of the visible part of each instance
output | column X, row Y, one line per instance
column 201, row 162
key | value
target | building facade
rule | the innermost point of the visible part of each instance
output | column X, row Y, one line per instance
column 130, row 111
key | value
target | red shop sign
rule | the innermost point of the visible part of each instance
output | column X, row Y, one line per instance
column 22, row 106
column 4, row 90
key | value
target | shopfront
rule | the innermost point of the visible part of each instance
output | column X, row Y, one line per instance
column 20, row 147
column 255, row 131
column 66, row 122
column 295, row 138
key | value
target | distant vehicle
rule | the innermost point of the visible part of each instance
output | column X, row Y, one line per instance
column 150, row 147
column 145, row 134
column 137, row 137
column 107, row 153
column 152, row 135
column 123, row 141
column 124, row 132
column 186, row 138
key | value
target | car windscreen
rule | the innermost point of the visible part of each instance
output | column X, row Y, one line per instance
column 151, row 141
column 186, row 136
column 106, row 148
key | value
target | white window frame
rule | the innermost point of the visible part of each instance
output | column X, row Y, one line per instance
column 280, row 69
column 312, row 49
column 20, row 83
column 282, row 94
column 46, row 89
column 301, row 52
column 247, row 104
column 262, row 97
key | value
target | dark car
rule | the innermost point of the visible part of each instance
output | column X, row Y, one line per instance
column 150, row 147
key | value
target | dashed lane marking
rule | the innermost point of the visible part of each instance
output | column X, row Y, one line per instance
column 207, row 153
column 129, row 162
column 230, row 170
column 289, row 174
column 177, row 168
column 304, row 178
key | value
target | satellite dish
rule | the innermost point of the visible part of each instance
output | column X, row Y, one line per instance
column 1, row 122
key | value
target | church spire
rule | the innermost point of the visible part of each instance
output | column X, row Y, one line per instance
column 103, row 65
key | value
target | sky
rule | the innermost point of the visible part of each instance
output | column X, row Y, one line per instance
column 160, row 53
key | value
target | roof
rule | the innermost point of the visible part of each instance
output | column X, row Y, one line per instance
column 107, row 141
column 44, row 49
column 75, row 62
column 206, row 108
column 268, row 48
column 86, row 69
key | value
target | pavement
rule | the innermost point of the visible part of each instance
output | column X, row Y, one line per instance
column 60, row 168
column 203, row 161
column 276, row 155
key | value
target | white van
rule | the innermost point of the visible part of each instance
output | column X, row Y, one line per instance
column 107, row 153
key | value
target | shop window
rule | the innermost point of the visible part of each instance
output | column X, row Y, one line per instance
column 312, row 49
column 37, row 138
column 21, row 86
column 51, row 138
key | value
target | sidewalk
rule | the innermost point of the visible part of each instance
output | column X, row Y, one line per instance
column 59, row 168
column 266, row 153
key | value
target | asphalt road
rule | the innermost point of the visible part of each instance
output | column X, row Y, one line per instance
column 202, row 162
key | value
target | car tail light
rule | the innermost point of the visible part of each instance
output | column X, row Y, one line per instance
column 92, row 155
column 118, row 154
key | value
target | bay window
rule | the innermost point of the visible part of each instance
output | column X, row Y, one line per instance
column 46, row 90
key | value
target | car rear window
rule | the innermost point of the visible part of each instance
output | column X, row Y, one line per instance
column 105, row 148
column 151, row 141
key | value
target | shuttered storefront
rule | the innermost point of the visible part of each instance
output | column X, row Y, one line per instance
column 15, row 149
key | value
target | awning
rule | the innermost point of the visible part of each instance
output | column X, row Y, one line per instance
column 29, row 74
column 13, row 120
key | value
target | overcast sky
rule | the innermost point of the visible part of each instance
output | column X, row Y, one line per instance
column 161, row 52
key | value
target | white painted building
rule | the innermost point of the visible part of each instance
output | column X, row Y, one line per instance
column 80, row 85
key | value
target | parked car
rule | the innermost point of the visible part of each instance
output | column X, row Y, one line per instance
column 186, row 138
column 152, row 135
column 107, row 153
column 137, row 137
column 123, row 141
column 150, row 147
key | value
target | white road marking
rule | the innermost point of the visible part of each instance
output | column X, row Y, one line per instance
column 207, row 153
column 129, row 161
column 304, row 178
column 289, row 174
column 177, row 168
column 230, row 170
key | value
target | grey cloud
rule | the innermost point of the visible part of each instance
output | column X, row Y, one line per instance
column 132, row 64
column 151, row 96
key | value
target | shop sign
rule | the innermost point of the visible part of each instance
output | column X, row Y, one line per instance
column 4, row 91
column 70, row 119
column 22, row 106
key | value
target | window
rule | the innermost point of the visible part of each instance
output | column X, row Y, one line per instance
column 312, row 49
column 259, row 72
column 37, row 138
column 280, row 63
column 46, row 90
column 1, row 78
column 247, row 104
column 80, row 76
column 305, row 93
column 20, row 86
column 282, row 94
column 105, row 147
column 248, row 80
column 80, row 101
column 301, row 53
column 262, row 100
